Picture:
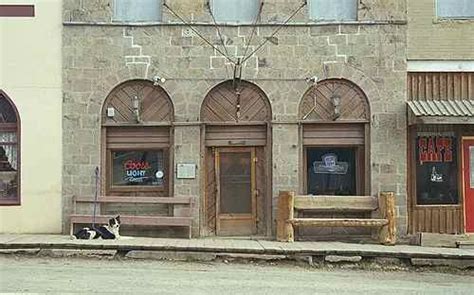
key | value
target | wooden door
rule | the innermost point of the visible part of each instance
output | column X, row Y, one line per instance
column 468, row 183
column 236, row 207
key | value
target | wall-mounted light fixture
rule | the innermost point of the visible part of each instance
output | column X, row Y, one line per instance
column 136, row 108
column 336, row 102
column 313, row 80
column 158, row 79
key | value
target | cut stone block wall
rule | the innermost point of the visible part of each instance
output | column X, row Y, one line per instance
column 370, row 53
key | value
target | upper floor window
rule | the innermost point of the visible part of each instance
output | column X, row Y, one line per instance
column 455, row 8
column 235, row 11
column 334, row 10
column 137, row 10
column 9, row 153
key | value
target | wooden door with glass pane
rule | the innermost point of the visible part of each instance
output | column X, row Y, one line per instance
column 235, row 186
column 468, row 182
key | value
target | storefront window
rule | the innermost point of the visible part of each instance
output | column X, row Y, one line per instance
column 331, row 171
column 138, row 168
column 436, row 170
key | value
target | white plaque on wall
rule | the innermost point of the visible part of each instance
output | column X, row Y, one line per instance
column 186, row 171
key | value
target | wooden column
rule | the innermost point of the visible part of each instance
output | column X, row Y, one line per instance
column 388, row 233
column 285, row 231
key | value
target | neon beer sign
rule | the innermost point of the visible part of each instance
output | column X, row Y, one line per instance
column 136, row 171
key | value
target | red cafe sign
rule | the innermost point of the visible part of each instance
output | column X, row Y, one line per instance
column 435, row 149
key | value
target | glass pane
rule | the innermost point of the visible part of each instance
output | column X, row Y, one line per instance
column 455, row 8
column 471, row 165
column 238, row 11
column 137, row 10
column 235, row 183
column 138, row 168
column 8, row 158
column 8, row 172
column 7, row 114
column 436, row 170
column 331, row 171
column 336, row 10
column 7, row 136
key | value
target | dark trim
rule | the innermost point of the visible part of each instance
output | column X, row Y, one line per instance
column 17, row 10
column 17, row 201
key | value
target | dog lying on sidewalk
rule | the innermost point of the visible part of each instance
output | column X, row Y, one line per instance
column 106, row 232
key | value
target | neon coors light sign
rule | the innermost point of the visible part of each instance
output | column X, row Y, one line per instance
column 136, row 171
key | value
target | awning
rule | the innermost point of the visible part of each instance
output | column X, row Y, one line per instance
column 441, row 112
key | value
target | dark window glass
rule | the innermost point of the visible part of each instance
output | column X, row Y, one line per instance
column 436, row 170
column 138, row 168
column 331, row 171
column 9, row 158
column 235, row 179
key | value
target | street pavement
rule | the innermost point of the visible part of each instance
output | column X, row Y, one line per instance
column 76, row 275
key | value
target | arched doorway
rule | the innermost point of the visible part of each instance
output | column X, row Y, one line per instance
column 237, row 145
column 9, row 152
column 137, row 140
column 335, row 116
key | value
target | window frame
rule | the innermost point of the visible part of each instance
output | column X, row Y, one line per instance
column 118, row 20
column 440, row 17
column 313, row 19
column 13, row 127
column 211, row 7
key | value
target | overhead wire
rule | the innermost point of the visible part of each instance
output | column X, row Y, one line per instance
column 257, row 17
column 275, row 32
column 197, row 32
column 220, row 36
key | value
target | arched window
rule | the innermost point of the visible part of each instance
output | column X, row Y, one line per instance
column 9, row 152
column 335, row 117
column 136, row 121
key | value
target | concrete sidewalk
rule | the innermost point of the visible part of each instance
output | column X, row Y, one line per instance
column 11, row 242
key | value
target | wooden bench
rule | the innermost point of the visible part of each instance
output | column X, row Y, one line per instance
column 180, row 215
column 289, row 206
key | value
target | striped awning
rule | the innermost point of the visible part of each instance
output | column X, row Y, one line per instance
column 441, row 111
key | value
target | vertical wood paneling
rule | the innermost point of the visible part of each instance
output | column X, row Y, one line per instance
column 439, row 86
column 437, row 219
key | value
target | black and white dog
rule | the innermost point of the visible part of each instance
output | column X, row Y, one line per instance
column 106, row 232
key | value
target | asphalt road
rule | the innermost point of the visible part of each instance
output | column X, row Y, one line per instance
column 60, row 275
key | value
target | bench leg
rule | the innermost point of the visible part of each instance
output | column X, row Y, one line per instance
column 71, row 230
column 388, row 232
column 285, row 230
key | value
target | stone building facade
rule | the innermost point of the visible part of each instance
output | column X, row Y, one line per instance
column 368, row 53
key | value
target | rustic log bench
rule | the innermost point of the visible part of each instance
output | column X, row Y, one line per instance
column 290, row 206
column 181, row 213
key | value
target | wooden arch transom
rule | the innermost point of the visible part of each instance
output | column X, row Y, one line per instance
column 152, row 102
column 246, row 103
column 334, row 99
